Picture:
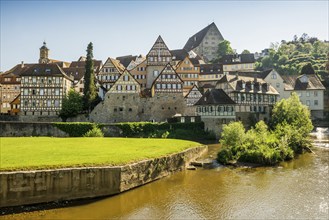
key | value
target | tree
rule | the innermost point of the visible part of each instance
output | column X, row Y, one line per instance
column 245, row 51
column 72, row 105
column 292, row 112
column 89, row 90
column 224, row 48
column 307, row 69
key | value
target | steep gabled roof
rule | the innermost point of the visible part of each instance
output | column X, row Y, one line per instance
column 295, row 82
column 159, row 45
column 196, row 39
column 77, row 68
column 126, row 60
column 179, row 54
column 19, row 68
column 193, row 89
column 215, row 97
column 45, row 69
column 162, row 72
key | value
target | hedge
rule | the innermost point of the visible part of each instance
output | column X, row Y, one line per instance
column 75, row 129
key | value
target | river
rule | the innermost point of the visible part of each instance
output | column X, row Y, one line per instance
column 294, row 189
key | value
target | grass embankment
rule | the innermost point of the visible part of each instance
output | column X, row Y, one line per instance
column 44, row 152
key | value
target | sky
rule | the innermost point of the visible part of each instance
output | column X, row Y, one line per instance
column 118, row 28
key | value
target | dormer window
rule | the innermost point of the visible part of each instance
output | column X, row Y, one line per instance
column 304, row 79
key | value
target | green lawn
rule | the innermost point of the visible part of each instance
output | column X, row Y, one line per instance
column 26, row 153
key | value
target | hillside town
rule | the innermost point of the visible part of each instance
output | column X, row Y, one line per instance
column 165, row 84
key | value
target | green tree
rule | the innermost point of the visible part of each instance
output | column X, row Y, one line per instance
column 72, row 105
column 292, row 112
column 89, row 90
column 233, row 135
column 224, row 48
column 307, row 69
column 245, row 51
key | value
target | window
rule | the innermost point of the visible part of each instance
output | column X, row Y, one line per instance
column 56, row 103
column 163, row 86
column 34, row 79
column 277, row 85
column 316, row 102
column 169, row 86
column 49, row 103
column 33, row 91
column 125, row 78
column 179, row 86
column 273, row 76
column 307, row 93
column 308, row 102
column 26, row 91
column 56, row 91
column 315, row 93
column 57, row 80
column 155, row 73
column 158, row 86
column 119, row 87
column 174, row 86
column 41, row 91
column 182, row 119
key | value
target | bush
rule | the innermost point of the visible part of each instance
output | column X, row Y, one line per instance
column 74, row 129
column 224, row 156
column 94, row 132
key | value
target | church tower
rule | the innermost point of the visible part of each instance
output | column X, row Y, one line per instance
column 44, row 54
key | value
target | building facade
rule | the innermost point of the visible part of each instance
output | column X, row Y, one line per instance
column 253, row 96
column 205, row 42
column 43, row 87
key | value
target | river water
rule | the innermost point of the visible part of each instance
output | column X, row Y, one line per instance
column 294, row 189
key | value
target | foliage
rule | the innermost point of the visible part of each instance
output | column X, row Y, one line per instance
column 75, row 129
column 94, row 132
column 224, row 48
column 72, row 105
column 46, row 152
column 89, row 90
column 292, row 112
column 187, row 131
column 290, row 125
column 307, row 69
column 289, row 57
column 245, row 51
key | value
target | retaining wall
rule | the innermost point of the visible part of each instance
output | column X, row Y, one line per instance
column 30, row 187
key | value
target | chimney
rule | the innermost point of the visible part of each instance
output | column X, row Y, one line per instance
column 22, row 64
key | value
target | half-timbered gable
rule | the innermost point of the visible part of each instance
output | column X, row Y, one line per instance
column 157, row 58
column 189, row 73
column 139, row 73
column 125, row 84
column 110, row 72
column 167, row 82
column 43, row 87
column 193, row 96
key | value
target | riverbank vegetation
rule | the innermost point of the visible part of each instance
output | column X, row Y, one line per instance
column 186, row 131
column 286, row 136
column 46, row 152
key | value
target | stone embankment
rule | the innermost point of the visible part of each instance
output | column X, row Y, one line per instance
column 39, row 186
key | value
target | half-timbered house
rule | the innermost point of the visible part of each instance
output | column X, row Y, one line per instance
column 157, row 58
column 110, row 72
column 254, row 97
column 43, row 87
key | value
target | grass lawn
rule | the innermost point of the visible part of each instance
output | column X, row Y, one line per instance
column 27, row 153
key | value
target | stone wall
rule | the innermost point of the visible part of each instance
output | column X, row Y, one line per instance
column 119, row 107
column 18, row 129
column 30, row 187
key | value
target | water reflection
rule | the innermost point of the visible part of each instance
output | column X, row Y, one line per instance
column 295, row 189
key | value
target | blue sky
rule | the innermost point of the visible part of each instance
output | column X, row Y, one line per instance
column 119, row 28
